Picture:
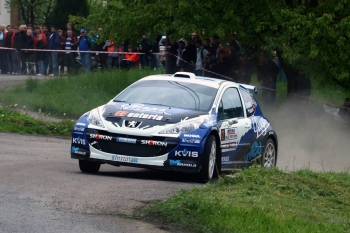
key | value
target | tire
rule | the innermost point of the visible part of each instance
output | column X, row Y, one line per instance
column 209, row 170
column 269, row 156
column 88, row 166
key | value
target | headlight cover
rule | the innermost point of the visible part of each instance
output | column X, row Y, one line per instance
column 94, row 118
column 183, row 127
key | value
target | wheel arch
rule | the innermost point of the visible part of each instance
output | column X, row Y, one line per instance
column 274, row 139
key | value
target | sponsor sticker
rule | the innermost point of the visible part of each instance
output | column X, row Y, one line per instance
column 120, row 113
column 231, row 134
column 79, row 129
column 142, row 108
column 229, row 145
column 81, row 124
column 192, row 135
column 225, row 159
column 125, row 159
column 79, row 141
column 145, row 116
column 154, row 143
column 191, row 140
column 186, row 153
column 101, row 137
column 125, row 140
column 181, row 164
column 256, row 151
column 260, row 125
column 75, row 150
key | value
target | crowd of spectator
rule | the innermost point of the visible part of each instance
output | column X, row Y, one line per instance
column 55, row 51
column 38, row 50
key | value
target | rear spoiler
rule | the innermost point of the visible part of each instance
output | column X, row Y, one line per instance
column 250, row 88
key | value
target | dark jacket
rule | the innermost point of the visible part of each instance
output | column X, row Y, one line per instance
column 302, row 85
column 221, row 68
column 12, row 35
column 54, row 41
column 183, row 60
column 145, row 48
column 242, row 72
column 267, row 73
column 40, row 45
column 28, row 44
column 19, row 42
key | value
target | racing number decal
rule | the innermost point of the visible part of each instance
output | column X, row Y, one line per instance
column 120, row 113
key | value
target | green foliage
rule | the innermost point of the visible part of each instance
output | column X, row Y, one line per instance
column 33, row 12
column 262, row 200
column 310, row 34
column 64, row 8
column 16, row 120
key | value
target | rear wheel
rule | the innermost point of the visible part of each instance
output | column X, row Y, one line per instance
column 88, row 166
column 209, row 169
column 269, row 157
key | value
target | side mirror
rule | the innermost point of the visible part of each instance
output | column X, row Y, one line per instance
column 233, row 121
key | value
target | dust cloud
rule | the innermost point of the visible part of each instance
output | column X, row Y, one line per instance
column 309, row 138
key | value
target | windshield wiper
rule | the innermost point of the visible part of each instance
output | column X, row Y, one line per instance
column 118, row 100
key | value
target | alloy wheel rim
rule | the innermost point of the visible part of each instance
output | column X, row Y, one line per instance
column 269, row 156
column 212, row 158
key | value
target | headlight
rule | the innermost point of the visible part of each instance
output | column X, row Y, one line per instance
column 94, row 118
column 183, row 127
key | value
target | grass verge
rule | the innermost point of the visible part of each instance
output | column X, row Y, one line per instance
column 72, row 95
column 12, row 120
column 261, row 200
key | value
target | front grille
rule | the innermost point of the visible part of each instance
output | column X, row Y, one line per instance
column 130, row 149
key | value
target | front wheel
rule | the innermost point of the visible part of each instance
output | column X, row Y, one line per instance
column 269, row 157
column 209, row 169
column 88, row 166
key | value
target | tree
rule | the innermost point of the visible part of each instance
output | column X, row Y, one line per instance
column 64, row 8
column 307, row 34
column 33, row 12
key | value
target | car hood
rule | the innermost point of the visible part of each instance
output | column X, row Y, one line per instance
column 143, row 119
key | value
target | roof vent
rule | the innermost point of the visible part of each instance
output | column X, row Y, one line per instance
column 184, row 75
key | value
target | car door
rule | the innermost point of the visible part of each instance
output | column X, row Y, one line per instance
column 232, row 126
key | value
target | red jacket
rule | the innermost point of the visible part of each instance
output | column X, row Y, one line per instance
column 133, row 57
column 12, row 39
column 35, row 40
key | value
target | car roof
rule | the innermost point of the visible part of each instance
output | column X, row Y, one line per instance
column 207, row 81
column 192, row 78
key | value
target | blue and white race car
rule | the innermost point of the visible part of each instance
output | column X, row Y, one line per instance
column 179, row 122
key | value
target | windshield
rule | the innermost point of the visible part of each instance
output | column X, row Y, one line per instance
column 170, row 93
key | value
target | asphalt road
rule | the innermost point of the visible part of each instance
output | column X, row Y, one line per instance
column 7, row 80
column 43, row 190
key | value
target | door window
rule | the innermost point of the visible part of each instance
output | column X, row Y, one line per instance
column 230, row 105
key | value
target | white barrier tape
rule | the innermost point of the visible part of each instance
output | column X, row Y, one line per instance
column 271, row 89
column 74, row 51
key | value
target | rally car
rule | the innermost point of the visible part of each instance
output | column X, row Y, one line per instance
column 178, row 122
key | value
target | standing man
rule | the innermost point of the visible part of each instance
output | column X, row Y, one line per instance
column 84, row 44
column 3, row 64
column 201, row 55
column 9, row 39
column 267, row 76
column 47, row 34
column 242, row 69
column 53, row 44
column 302, row 86
column 70, row 43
